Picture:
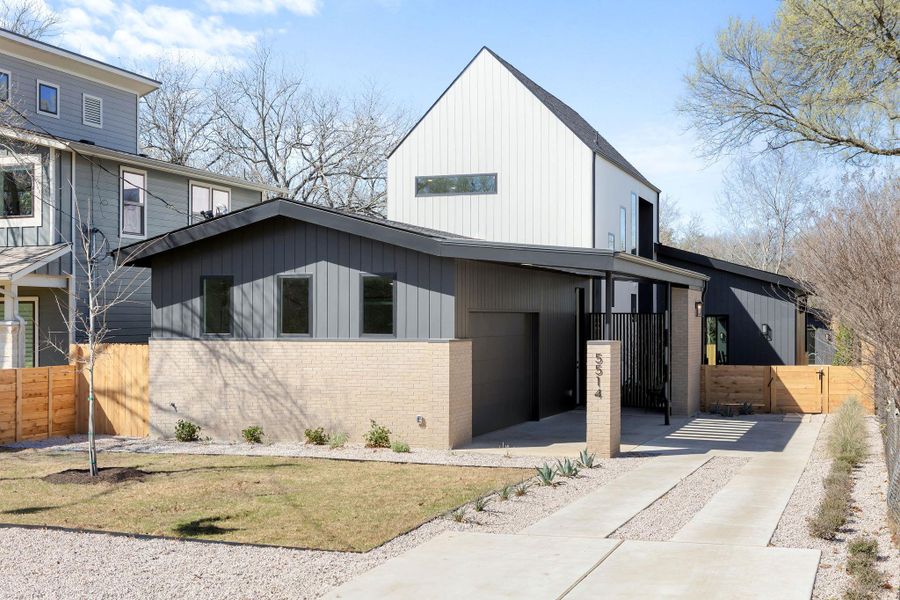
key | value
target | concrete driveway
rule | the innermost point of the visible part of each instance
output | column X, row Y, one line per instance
column 722, row 552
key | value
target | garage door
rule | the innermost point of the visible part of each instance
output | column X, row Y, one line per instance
column 503, row 369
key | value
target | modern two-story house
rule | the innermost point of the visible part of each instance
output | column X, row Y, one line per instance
column 71, row 166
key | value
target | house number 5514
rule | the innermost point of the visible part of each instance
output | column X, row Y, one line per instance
column 598, row 368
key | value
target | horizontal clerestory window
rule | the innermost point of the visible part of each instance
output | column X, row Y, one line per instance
column 452, row 185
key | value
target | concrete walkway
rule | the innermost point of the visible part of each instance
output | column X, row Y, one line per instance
column 758, row 494
column 721, row 553
column 601, row 512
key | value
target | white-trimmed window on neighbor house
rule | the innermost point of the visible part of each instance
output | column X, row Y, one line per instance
column 48, row 99
column 21, row 190
column 5, row 78
column 623, row 228
column 92, row 111
column 133, row 200
column 455, row 185
column 208, row 201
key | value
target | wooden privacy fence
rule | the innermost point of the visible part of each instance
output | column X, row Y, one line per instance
column 787, row 389
column 37, row 403
column 121, row 390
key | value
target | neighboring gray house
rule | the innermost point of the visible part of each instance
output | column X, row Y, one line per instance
column 291, row 315
column 69, row 155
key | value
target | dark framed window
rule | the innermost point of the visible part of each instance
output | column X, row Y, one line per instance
column 378, row 304
column 133, row 198
column 295, row 305
column 452, row 185
column 16, row 190
column 4, row 86
column 217, row 304
column 715, row 348
column 48, row 99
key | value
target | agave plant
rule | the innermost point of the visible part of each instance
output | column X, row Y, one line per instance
column 504, row 492
column 546, row 473
column 459, row 515
column 586, row 459
column 566, row 468
column 521, row 489
column 480, row 503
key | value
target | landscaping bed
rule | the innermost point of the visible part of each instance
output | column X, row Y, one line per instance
column 307, row 503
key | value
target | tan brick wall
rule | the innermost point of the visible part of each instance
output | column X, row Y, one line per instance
column 286, row 386
column 604, row 397
column 685, row 340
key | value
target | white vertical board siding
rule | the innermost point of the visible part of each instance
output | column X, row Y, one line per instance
column 612, row 191
column 488, row 122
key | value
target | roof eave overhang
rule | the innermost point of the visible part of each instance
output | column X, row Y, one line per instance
column 36, row 264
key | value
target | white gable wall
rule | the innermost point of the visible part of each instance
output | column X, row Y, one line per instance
column 488, row 122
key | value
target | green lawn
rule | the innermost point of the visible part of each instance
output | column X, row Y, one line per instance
column 307, row 503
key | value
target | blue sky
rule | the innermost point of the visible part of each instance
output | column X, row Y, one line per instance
column 620, row 64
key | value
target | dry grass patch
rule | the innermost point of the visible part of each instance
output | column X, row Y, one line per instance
column 300, row 502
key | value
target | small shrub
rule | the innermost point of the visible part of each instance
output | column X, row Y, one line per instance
column 504, row 492
column 566, row 468
column 316, row 436
column 546, row 473
column 378, row 436
column 521, row 489
column 480, row 504
column 185, row 431
column 253, row 434
column 338, row 440
column 459, row 515
column 400, row 447
column 586, row 459
column 848, row 433
column 861, row 564
column 746, row 409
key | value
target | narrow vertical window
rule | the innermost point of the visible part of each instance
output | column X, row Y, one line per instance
column 295, row 305
column 634, row 223
column 217, row 305
column 623, row 228
column 48, row 99
column 378, row 305
column 4, row 86
column 611, row 241
column 133, row 199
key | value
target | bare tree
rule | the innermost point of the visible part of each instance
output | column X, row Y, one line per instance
column 30, row 18
column 768, row 200
column 176, row 122
column 315, row 146
column 850, row 260
column 826, row 72
column 679, row 231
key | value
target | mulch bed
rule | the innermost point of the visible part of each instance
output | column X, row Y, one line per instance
column 106, row 475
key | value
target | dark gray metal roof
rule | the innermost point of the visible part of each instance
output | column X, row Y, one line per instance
column 565, row 113
column 428, row 241
column 701, row 260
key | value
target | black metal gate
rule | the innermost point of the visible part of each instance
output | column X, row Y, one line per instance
column 643, row 337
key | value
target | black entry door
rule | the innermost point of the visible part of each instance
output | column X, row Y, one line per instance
column 503, row 369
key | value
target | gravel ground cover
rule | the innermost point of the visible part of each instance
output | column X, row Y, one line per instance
column 63, row 564
column 868, row 516
column 665, row 517
column 78, row 443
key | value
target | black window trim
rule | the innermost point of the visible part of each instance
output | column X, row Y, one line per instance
column 231, row 327
column 37, row 92
column 716, row 316
column 8, row 85
column 280, row 324
column 426, row 195
column 362, row 305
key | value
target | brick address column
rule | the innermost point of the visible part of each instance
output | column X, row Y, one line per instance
column 604, row 403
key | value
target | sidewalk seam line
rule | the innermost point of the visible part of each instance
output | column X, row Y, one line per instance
column 589, row 571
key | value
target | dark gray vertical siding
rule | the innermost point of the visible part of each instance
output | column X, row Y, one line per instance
column 749, row 303
column 255, row 256
column 52, row 332
column 119, row 130
column 492, row 287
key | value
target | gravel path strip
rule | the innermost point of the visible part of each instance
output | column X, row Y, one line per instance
column 78, row 443
column 868, row 516
column 662, row 519
column 42, row 563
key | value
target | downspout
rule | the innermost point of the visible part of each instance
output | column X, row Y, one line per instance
column 72, row 281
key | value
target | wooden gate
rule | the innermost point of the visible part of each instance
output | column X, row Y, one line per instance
column 797, row 389
column 643, row 337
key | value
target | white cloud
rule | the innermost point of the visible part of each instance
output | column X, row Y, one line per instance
column 246, row 7
column 124, row 34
